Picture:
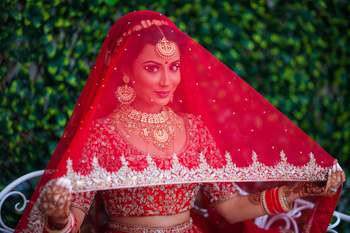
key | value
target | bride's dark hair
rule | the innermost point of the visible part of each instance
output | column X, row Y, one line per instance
column 137, row 40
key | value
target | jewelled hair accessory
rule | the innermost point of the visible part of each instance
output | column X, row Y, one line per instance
column 158, row 129
column 165, row 48
column 143, row 25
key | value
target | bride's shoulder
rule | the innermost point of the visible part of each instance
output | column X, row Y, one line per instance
column 102, row 124
column 102, row 121
column 192, row 119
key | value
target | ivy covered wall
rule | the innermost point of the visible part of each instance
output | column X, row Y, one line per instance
column 295, row 53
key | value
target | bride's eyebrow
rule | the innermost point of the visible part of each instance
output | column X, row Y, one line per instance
column 152, row 62
column 178, row 61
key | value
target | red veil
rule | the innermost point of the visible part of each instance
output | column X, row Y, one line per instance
column 257, row 142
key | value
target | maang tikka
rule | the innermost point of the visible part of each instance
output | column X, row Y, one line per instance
column 165, row 48
column 125, row 94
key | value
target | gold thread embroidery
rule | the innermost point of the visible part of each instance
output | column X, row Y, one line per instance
column 36, row 216
column 225, row 199
column 100, row 178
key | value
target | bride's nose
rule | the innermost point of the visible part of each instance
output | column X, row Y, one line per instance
column 164, row 79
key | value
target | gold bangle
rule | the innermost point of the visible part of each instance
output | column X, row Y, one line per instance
column 263, row 203
column 53, row 230
column 283, row 200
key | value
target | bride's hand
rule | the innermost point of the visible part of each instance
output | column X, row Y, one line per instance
column 336, row 177
column 55, row 202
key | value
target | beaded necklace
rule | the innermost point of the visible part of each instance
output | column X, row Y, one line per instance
column 158, row 129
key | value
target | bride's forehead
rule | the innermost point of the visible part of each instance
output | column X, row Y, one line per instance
column 149, row 51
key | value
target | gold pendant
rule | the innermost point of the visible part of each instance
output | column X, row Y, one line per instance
column 165, row 48
column 157, row 129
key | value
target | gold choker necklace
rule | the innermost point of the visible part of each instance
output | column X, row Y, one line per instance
column 158, row 128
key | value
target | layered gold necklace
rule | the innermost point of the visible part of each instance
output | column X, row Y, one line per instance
column 158, row 129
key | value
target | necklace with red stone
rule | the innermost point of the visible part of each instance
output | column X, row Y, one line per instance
column 158, row 129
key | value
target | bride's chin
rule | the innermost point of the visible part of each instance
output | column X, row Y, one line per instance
column 163, row 102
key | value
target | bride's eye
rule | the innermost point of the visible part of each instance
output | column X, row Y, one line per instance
column 152, row 68
column 174, row 67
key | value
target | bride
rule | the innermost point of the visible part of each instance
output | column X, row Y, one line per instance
column 161, row 120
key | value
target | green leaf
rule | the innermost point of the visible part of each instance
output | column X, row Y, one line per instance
column 52, row 68
column 72, row 80
column 61, row 119
column 16, row 15
column 111, row 2
column 45, row 38
column 50, row 51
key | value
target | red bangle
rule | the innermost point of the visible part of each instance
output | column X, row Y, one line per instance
column 275, row 200
column 269, row 202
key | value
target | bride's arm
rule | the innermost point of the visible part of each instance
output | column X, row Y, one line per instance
column 60, row 222
column 244, row 207
column 79, row 215
column 59, row 208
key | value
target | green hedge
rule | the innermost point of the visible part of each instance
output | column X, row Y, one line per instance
column 295, row 53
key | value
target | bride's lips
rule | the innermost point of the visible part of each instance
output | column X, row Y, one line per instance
column 162, row 94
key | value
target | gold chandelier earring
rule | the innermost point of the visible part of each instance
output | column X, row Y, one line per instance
column 125, row 94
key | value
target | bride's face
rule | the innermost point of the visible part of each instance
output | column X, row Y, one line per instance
column 154, row 79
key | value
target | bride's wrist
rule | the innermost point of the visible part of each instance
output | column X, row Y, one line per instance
column 57, row 222
column 274, row 201
column 60, row 224
column 294, row 192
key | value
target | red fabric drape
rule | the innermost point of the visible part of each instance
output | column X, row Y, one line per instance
column 257, row 142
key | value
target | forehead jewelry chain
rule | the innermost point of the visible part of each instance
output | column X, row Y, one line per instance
column 158, row 129
column 165, row 48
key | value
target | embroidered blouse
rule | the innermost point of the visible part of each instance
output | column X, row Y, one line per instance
column 105, row 140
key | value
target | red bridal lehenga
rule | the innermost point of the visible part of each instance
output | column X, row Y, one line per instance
column 232, row 135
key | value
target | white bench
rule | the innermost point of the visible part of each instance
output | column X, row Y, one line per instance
column 263, row 222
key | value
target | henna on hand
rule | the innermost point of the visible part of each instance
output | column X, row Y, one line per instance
column 302, row 189
column 336, row 177
column 55, row 202
column 254, row 198
column 297, row 188
column 288, row 192
column 314, row 188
